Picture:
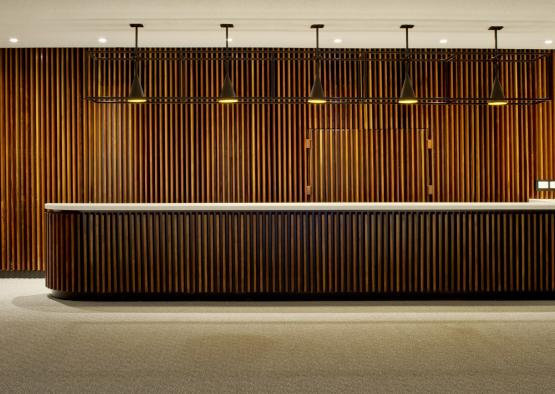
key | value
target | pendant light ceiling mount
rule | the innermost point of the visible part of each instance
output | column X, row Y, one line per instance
column 317, row 94
column 495, row 29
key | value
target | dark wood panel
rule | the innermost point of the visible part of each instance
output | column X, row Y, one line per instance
column 301, row 253
column 56, row 147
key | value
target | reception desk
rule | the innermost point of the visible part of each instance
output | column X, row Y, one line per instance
column 368, row 250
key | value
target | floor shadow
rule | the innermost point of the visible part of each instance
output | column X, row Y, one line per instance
column 47, row 303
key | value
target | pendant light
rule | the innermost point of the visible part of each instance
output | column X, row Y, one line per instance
column 407, row 95
column 137, row 95
column 227, row 94
column 497, row 96
column 317, row 95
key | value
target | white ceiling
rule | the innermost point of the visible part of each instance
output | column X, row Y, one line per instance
column 277, row 23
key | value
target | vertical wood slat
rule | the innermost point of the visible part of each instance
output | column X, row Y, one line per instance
column 56, row 147
column 389, row 253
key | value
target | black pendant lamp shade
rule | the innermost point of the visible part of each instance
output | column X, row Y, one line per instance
column 407, row 95
column 136, row 95
column 317, row 95
column 497, row 96
column 227, row 94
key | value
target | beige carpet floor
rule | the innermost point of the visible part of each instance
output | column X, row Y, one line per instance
column 47, row 345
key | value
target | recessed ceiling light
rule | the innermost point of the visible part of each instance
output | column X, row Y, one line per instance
column 548, row 42
column 338, row 40
column 229, row 39
column 13, row 40
column 102, row 40
column 443, row 41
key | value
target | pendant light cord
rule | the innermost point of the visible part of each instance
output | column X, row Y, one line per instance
column 227, row 61
column 496, row 71
column 136, row 54
column 318, row 58
column 406, row 52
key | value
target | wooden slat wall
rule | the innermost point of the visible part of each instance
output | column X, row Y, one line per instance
column 56, row 147
column 302, row 253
